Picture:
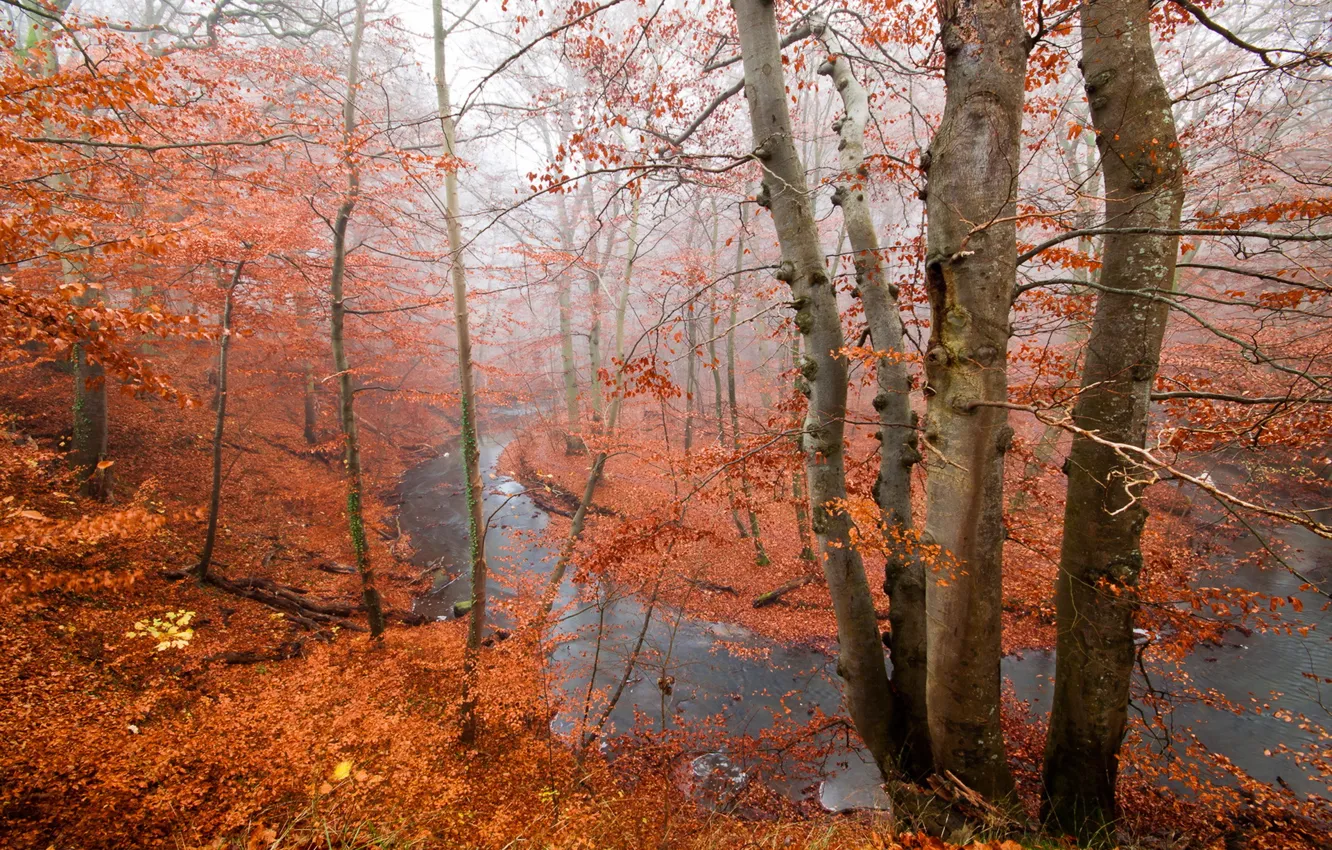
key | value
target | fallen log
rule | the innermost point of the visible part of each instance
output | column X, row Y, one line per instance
column 283, row 652
column 290, row 601
column 775, row 595
column 336, row 569
column 712, row 587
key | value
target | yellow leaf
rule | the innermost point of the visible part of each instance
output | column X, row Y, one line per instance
column 342, row 771
column 31, row 515
column 104, row 464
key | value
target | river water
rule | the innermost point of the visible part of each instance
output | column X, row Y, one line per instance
column 725, row 673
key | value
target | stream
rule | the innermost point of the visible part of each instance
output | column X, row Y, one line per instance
column 721, row 670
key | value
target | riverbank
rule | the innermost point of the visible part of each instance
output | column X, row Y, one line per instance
column 701, row 585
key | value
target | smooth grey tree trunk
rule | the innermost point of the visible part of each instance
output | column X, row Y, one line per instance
column 904, row 569
column 1101, row 562
column 971, row 271
column 691, row 372
column 861, row 657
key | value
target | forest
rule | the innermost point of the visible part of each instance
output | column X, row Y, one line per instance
column 865, row 424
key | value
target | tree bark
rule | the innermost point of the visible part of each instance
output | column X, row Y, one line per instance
column 476, row 524
column 971, row 270
column 1101, row 562
column 346, row 388
column 904, row 569
column 215, row 495
column 861, row 658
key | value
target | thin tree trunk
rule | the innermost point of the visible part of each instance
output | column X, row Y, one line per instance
column 91, row 441
column 311, row 407
column 1101, row 562
column 346, row 388
column 622, row 305
column 568, row 368
column 861, row 658
column 904, row 570
column 760, row 555
column 1075, row 337
column 573, row 443
column 596, row 261
column 971, row 270
column 476, row 524
column 215, row 496
column 713, row 363
column 691, row 367
column 715, row 366
column 797, row 488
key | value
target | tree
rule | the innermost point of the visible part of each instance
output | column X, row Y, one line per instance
column 476, row 523
column 337, row 319
column 1101, row 560
column 904, row 570
column 784, row 193
column 971, row 269
column 215, row 493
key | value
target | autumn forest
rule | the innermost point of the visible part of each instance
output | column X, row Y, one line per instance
column 864, row 424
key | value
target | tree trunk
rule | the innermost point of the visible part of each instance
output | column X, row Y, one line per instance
column 622, row 304
column 573, row 443
column 557, row 573
column 760, row 554
column 691, row 372
column 1087, row 175
column 311, row 407
column 595, row 264
column 476, row 524
column 797, row 489
column 90, row 442
column 904, row 570
column 215, row 496
column 861, row 658
column 1101, row 562
column 971, row 270
column 346, row 388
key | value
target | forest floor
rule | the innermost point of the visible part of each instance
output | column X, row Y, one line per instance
column 259, row 733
